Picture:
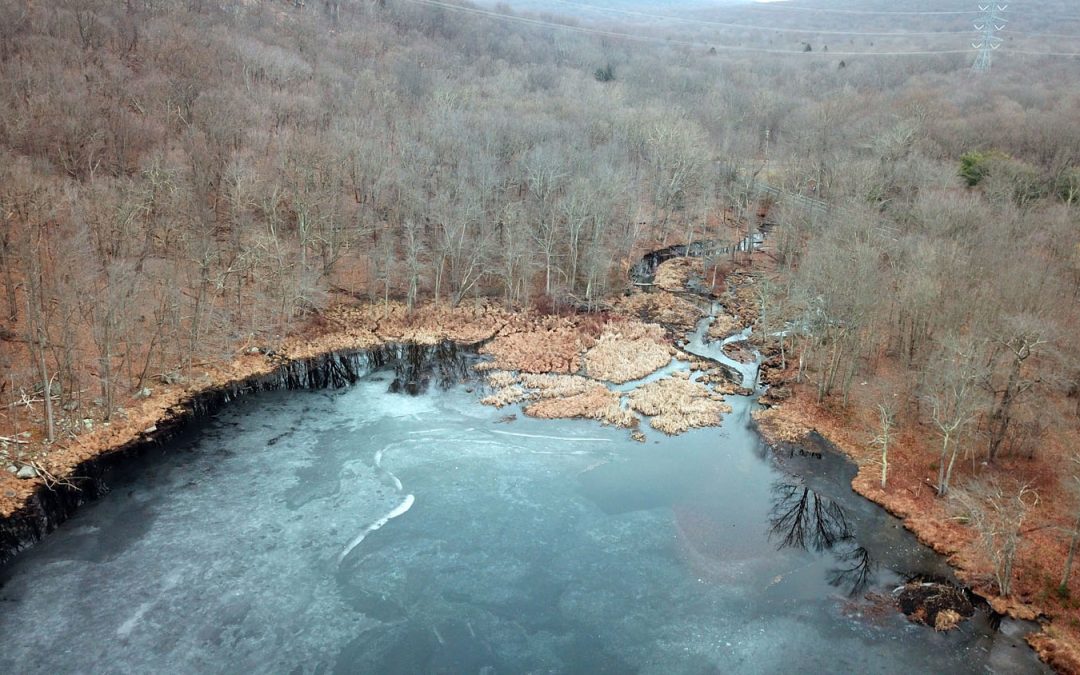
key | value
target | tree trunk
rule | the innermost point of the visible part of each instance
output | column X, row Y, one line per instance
column 50, row 428
column 1002, row 414
column 884, row 463
column 952, row 461
column 943, row 476
column 1072, row 552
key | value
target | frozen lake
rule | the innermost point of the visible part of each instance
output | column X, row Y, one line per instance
column 359, row 531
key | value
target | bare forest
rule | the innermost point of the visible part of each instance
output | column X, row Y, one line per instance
column 181, row 181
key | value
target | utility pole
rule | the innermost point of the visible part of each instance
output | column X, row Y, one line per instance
column 989, row 26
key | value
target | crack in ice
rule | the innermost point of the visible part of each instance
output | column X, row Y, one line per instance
column 551, row 438
column 398, row 510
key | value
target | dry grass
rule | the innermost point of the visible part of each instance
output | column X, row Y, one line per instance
column 1057, row 649
column 776, row 425
column 947, row 619
column 596, row 402
column 556, row 396
column 501, row 378
column 718, row 380
column 737, row 351
column 675, row 404
column 741, row 299
column 661, row 307
column 627, row 352
column 504, row 396
column 426, row 324
column 548, row 345
column 552, row 385
column 722, row 326
column 573, row 396
column 673, row 275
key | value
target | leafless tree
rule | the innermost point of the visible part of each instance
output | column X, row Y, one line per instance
column 1022, row 338
column 951, row 392
column 996, row 509
column 886, row 414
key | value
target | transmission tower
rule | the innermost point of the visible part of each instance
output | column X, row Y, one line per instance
column 991, row 23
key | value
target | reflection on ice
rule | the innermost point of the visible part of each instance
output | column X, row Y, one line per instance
column 803, row 519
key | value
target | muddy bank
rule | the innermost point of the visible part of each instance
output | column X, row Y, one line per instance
column 415, row 366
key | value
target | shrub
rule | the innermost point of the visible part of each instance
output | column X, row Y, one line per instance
column 605, row 74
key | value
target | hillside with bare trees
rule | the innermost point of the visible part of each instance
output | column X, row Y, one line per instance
column 182, row 182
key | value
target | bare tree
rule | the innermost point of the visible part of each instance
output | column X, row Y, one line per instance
column 413, row 251
column 951, row 391
column 1071, row 483
column 886, row 414
column 544, row 177
column 1012, row 348
column 996, row 510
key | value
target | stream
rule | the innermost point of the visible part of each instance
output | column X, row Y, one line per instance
column 364, row 531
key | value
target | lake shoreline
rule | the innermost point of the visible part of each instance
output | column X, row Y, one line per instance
column 329, row 360
column 48, row 506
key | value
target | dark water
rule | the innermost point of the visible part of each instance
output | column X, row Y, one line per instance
column 530, row 546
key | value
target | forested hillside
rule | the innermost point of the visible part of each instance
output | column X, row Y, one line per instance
column 182, row 180
column 180, row 177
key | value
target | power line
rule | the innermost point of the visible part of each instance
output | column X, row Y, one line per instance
column 1047, row 35
column 822, row 10
column 1030, row 53
column 992, row 24
column 776, row 29
column 681, row 43
column 512, row 18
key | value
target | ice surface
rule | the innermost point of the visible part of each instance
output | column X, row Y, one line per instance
column 538, row 545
